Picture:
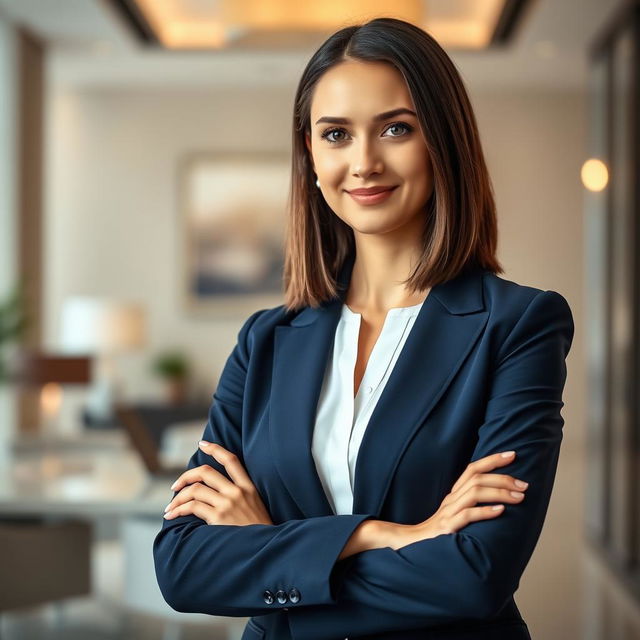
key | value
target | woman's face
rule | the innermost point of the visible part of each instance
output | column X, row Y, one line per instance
column 361, row 151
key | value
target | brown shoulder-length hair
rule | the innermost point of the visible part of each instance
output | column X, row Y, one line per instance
column 460, row 217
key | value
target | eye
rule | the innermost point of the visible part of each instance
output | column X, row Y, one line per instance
column 329, row 132
column 325, row 134
column 405, row 126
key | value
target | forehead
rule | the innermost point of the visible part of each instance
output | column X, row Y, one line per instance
column 354, row 88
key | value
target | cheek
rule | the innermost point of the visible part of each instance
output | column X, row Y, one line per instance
column 415, row 163
column 419, row 173
column 331, row 168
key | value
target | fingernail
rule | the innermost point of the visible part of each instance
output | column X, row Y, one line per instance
column 517, row 494
column 167, row 515
column 497, row 507
column 522, row 485
column 173, row 486
column 167, row 507
column 203, row 443
column 508, row 454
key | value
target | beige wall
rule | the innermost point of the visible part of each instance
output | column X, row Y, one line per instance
column 535, row 146
column 111, row 203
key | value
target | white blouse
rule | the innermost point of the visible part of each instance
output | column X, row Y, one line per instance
column 341, row 419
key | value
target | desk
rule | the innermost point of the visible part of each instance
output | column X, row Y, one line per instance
column 93, row 475
column 97, row 477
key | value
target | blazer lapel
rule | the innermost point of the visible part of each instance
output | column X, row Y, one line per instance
column 448, row 325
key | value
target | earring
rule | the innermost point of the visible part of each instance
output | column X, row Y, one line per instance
column 317, row 183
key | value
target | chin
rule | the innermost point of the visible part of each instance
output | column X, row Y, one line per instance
column 374, row 226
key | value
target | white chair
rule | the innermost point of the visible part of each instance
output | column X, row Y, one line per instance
column 142, row 593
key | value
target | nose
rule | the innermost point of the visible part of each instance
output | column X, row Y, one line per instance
column 366, row 159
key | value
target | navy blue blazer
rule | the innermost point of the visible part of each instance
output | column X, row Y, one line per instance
column 482, row 371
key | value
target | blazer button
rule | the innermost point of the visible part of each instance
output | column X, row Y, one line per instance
column 281, row 596
column 294, row 595
column 268, row 597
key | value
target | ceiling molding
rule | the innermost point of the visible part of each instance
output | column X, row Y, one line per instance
column 135, row 21
column 510, row 20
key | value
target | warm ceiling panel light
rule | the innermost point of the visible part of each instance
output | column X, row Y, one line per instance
column 185, row 25
column 327, row 15
column 204, row 24
column 200, row 35
column 216, row 24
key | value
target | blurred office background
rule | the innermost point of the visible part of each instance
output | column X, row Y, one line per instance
column 144, row 151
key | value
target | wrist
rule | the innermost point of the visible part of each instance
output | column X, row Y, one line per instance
column 366, row 536
column 381, row 534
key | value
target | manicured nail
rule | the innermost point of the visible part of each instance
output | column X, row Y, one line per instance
column 497, row 507
column 508, row 454
column 203, row 443
column 174, row 485
column 522, row 485
column 517, row 494
column 167, row 508
column 167, row 515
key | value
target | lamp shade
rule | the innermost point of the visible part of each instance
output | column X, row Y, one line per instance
column 38, row 368
column 101, row 325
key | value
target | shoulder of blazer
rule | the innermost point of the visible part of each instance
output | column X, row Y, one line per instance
column 511, row 304
column 261, row 322
column 507, row 297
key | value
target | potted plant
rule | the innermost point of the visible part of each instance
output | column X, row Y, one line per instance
column 14, row 321
column 173, row 367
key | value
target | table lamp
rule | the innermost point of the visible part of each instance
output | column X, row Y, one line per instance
column 102, row 327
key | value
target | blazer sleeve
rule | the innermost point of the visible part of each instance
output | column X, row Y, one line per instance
column 225, row 569
column 472, row 573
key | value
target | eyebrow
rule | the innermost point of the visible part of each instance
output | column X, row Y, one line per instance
column 381, row 116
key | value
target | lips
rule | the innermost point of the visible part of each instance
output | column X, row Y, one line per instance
column 370, row 191
column 372, row 196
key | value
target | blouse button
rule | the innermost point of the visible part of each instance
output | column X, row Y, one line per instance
column 370, row 389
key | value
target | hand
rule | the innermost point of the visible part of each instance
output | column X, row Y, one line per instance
column 457, row 509
column 218, row 501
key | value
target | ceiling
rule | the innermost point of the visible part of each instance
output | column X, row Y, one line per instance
column 289, row 24
column 90, row 45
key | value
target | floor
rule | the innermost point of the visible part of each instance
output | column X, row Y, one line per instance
column 566, row 592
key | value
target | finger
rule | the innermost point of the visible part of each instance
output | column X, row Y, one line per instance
column 474, row 514
column 197, row 491
column 204, row 473
column 229, row 461
column 485, row 494
column 497, row 480
column 193, row 507
column 483, row 465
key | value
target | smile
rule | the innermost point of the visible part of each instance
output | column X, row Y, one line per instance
column 374, row 198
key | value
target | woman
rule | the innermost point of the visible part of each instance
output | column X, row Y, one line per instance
column 344, row 487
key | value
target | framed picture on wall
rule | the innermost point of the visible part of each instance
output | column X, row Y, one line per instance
column 232, row 214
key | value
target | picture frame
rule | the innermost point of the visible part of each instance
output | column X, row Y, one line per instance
column 232, row 213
